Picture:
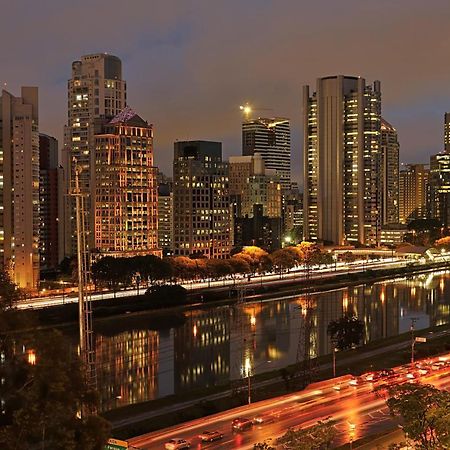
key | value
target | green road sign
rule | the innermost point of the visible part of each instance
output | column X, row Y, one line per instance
column 116, row 444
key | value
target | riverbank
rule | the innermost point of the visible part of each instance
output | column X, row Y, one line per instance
column 138, row 419
column 229, row 295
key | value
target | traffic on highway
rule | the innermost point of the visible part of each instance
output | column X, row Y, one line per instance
column 297, row 273
column 355, row 404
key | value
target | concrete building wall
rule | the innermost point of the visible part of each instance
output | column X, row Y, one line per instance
column 341, row 123
column 19, row 216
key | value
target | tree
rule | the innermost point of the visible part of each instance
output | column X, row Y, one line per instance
column 9, row 293
column 253, row 256
column 43, row 386
column 263, row 446
column 284, row 258
column 346, row 332
column 42, row 411
column 425, row 412
column 319, row 436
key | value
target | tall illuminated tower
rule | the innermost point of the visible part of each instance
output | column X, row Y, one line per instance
column 19, row 186
column 201, row 204
column 96, row 93
column 125, row 202
column 271, row 138
column 389, row 173
column 342, row 132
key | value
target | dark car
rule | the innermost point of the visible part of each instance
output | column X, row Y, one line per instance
column 241, row 424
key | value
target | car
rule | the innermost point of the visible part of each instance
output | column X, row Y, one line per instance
column 241, row 424
column 177, row 444
column 263, row 419
column 210, row 436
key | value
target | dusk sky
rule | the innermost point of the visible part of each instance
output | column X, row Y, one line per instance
column 190, row 64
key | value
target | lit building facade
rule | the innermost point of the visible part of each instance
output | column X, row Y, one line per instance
column 389, row 174
column 201, row 204
column 165, row 219
column 250, row 183
column 126, row 205
column 439, row 188
column 19, row 186
column 342, row 138
column 413, row 192
column 447, row 132
column 95, row 94
column 48, row 200
column 271, row 138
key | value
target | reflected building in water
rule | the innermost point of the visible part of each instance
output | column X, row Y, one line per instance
column 212, row 346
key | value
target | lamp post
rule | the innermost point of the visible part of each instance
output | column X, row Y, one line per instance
column 413, row 321
column 248, row 371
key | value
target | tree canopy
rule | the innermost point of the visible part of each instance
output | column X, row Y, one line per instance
column 425, row 413
column 346, row 332
column 42, row 386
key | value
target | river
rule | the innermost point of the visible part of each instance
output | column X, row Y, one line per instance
column 152, row 356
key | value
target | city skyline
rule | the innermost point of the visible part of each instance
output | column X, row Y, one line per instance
column 162, row 51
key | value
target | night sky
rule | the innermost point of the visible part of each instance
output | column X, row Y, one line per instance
column 190, row 64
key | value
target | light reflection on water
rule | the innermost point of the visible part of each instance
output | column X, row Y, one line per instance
column 213, row 345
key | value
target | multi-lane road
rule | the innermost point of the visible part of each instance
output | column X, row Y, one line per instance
column 351, row 403
column 298, row 273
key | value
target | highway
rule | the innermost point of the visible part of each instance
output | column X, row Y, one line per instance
column 350, row 402
column 298, row 273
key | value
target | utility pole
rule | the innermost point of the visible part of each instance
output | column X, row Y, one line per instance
column 413, row 340
column 87, row 351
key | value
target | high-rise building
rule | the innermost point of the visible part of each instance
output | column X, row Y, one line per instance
column 125, row 202
column 19, row 186
column 95, row 94
column 270, row 137
column 165, row 218
column 413, row 192
column 447, row 132
column 342, row 127
column 250, row 183
column 48, row 199
column 439, row 188
column 201, row 205
column 389, row 173
column 258, row 229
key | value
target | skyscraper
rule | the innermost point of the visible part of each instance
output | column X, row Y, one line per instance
column 439, row 186
column 165, row 218
column 342, row 126
column 19, row 186
column 271, row 137
column 413, row 192
column 389, row 174
column 125, row 202
column 250, row 183
column 202, row 219
column 95, row 94
column 447, row 132
column 48, row 199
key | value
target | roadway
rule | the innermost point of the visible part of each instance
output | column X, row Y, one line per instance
column 354, row 407
column 298, row 273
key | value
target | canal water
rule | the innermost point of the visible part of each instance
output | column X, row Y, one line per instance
column 152, row 356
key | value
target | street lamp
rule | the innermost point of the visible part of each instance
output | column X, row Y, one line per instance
column 247, row 369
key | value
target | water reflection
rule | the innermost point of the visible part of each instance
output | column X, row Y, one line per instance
column 211, row 346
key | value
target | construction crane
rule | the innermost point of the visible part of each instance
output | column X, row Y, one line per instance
column 87, row 351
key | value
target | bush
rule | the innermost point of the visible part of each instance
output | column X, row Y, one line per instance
column 166, row 295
